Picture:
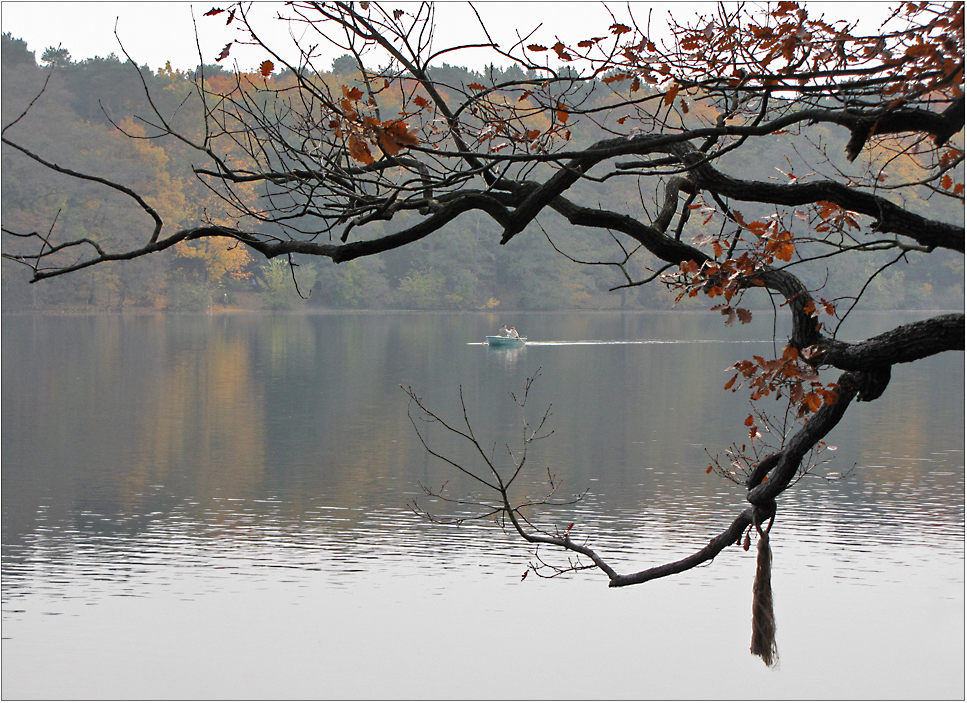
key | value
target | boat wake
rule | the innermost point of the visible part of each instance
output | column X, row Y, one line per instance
column 593, row 342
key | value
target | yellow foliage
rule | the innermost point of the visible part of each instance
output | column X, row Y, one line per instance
column 222, row 257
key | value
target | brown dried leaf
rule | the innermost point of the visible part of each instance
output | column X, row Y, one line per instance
column 359, row 150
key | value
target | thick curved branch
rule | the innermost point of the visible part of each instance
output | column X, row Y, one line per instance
column 901, row 345
column 889, row 216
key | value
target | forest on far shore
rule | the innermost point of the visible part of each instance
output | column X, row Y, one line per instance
column 461, row 268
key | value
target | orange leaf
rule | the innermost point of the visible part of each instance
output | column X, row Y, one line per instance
column 354, row 94
column 348, row 110
column 749, row 421
column 533, row 133
column 619, row 29
column 946, row 181
column 359, row 150
column 616, row 77
column 536, row 47
column 672, row 92
column 401, row 133
column 476, row 86
column 786, row 7
column 561, row 113
column 266, row 67
column 561, row 53
column 420, row 101
column 814, row 402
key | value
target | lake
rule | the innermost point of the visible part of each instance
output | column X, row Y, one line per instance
column 220, row 507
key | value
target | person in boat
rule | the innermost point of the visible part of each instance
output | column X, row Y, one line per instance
column 504, row 332
column 513, row 333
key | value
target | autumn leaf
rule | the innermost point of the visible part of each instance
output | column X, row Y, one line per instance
column 347, row 109
column 476, row 86
column 533, row 134
column 359, row 150
column 397, row 14
column 393, row 136
column 784, row 8
column 266, row 68
column 619, row 29
column 745, row 316
column 561, row 53
column 401, row 133
column 420, row 101
column 353, row 94
column 814, row 402
column 672, row 92
column 616, row 77
column 231, row 16
column 224, row 54
column 213, row 11
column 536, row 47
column 946, row 181
column 561, row 113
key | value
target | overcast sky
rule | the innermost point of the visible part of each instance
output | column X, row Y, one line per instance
column 156, row 32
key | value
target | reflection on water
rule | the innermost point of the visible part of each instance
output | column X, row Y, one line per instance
column 234, row 490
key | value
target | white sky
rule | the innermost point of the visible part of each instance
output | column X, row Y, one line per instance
column 156, row 32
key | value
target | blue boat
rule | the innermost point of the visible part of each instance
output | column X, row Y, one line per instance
column 498, row 342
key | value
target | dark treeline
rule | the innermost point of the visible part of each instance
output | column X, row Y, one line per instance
column 75, row 124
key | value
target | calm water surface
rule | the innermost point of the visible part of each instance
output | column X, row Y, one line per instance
column 218, row 506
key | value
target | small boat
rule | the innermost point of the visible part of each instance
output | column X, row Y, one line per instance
column 498, row 342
